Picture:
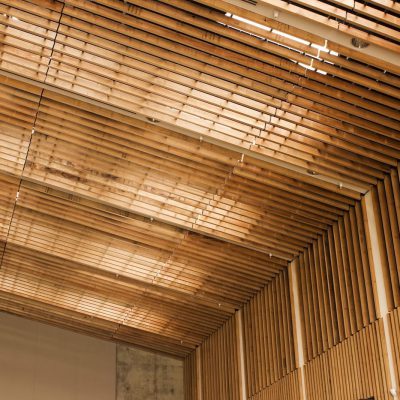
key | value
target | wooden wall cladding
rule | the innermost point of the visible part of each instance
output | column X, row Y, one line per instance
column 286, row 388
column 190, row 377
column 220, row 364
column 354, row 369
column 386, row 198
column 335, row 287
column 394, row 324
column 268, row 335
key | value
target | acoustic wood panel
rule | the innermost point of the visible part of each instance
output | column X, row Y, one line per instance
column 191, row 386
column 386, row 200
column 220, row 364
column 335, row 285
column 353, row 369
column 268, row 335
column 188, row 84
column 286, row 388
column 394, row 324
column 162, row 161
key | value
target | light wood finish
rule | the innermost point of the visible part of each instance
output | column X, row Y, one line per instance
column 375, row 22
column 154, row 233
column 386, row 197
column 190, row 377
column 285, row 388
column 268, row 335
column 335, row 285
column 394, row 323
column 220, row 364
column 354, row 369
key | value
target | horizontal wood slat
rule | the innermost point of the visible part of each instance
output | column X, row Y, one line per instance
column 162, row 161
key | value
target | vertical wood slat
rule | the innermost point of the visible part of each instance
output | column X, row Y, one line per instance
column 394, row 326
column 268, row 335
column 220, row 364
column 353, row 369
column 387, row 209
column 190, row 377
column 335, row 285
column 285, row 388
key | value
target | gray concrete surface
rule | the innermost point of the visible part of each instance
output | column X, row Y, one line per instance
column 42, row 362
column 142, row 375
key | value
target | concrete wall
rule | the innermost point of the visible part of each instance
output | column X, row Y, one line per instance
column 40, row 362
column 146, row 376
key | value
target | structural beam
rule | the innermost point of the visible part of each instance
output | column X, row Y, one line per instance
column 291, row 170
column 275, row 10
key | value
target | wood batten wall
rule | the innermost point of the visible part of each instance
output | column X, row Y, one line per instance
column 220, row 364
column 268, row 335
column 349, row 336
column 286, row 388
column 386, row 199
column 394, row 323
column 354, row 369
column 190, row 377
column 335, row 285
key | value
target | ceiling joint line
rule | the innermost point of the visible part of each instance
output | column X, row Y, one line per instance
column 30, row 140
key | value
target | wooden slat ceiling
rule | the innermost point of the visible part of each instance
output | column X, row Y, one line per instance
column 153, row 231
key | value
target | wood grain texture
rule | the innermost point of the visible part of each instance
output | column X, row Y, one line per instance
column 386, row 200
column 268, row 335
column 220, row 364
column 162, row 161
column 394, row 324
column 335, row 285
column 191, row 385
column 353, row 369
column 285, row 388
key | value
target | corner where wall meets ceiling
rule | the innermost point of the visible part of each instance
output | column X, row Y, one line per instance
column 162, row 161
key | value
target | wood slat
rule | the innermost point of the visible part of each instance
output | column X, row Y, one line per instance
column 268, row 335
column 336, row 292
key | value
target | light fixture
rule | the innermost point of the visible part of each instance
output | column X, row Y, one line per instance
column 153, row 120
column 359, row 43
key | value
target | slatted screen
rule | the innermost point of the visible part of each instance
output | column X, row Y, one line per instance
column 286, row 388
column 354, row 369
column 190, row 377
column 220, row 364
column 386, row 197
column 394, row 324
column 268, row 335
column 336, row 295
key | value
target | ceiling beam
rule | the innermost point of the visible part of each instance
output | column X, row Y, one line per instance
column 285, row 168
column 273, row 9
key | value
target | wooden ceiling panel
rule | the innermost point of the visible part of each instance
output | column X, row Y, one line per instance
column 161, row 161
